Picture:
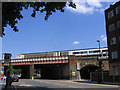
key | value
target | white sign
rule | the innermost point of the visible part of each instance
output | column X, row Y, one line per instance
column 78, row 66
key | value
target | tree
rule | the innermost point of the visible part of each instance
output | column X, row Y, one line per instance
column 11, row 11
column 13, row 71
column 10, row 69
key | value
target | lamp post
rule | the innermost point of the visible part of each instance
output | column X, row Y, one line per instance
column 100, row 62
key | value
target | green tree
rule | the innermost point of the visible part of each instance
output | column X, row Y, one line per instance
column 13, row 71
column 11, row 11
column 17, row 71
column 10, row 69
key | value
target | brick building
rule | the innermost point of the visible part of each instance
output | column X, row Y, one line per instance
column 112, row 16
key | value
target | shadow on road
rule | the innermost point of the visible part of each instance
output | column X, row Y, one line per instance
column 12, row 87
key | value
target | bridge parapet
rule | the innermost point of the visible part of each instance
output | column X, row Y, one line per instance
column 103, row 57
column 39, row 60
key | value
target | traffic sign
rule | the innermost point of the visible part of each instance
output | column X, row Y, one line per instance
column 7, row 57
column 2, row 69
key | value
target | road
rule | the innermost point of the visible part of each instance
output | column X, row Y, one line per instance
column 28, row 83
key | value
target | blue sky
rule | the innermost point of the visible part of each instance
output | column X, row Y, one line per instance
column 73, row 29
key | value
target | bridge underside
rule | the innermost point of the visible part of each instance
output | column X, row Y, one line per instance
column 85, row 71
column 43, row 71
column 52, row 71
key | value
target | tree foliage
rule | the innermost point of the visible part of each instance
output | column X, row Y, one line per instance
column 13, row 71
column 11, row 11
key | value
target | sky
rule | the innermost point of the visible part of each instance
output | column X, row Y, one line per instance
column 78, row 28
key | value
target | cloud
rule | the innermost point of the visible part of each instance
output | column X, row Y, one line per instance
column 75, row 42
column 104, row 38
column 87, row 6
column 81, row 9
column 94, row 3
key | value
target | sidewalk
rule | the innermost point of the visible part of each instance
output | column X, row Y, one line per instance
column 95, row 82
column 8, row 88
column 3, row 86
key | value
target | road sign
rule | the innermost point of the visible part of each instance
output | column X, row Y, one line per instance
column 2, row 69
column 73, row 74
column 78, row 66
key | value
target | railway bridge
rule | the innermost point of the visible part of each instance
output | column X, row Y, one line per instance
column 58, row 65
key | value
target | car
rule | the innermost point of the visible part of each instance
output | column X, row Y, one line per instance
column 15, row 78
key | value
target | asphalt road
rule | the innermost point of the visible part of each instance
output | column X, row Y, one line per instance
column 28, row 83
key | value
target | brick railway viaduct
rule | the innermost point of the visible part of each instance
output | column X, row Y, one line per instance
column 59, row 65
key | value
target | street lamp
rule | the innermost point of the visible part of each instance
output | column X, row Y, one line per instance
column 100, row 62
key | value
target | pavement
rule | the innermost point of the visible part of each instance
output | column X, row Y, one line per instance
column 2, row 86
column 95, row 82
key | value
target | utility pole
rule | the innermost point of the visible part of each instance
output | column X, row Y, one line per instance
column 100, row 63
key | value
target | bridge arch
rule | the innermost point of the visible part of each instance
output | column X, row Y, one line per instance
column 85, row 71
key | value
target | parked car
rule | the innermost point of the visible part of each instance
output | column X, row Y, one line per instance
column 15, row 78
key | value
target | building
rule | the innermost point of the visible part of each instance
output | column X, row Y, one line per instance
column 112, row 16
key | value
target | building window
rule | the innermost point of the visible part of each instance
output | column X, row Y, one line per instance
column 118, row 24
column 111, row 27
column 117, row 9
column 110, row 14
column 114, row 54
column 113, row 41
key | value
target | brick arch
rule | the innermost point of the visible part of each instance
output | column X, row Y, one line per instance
column 85, row 71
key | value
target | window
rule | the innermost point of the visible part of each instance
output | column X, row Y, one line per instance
column 113, row 41
column 110, row 14
column 96, row 51
column 83, row 52
column 117, row 9
column 76, row 52
column 104, row 50
column 114, row 54
column 88, row 57
column 111, row 27
column 118, row 24
column 91, row 51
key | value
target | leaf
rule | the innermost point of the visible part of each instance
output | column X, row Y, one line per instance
column 33, row 14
